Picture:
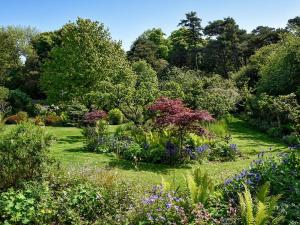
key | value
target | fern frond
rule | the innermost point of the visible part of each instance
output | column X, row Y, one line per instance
column 249, row 207
column 263, row 192
column 192, row 186
column 261, row 216
column 277, row 220
column 272, row 203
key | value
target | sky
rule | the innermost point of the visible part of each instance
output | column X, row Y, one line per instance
column 127, row 19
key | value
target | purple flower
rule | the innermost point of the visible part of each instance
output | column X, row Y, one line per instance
column 202, row 148
column 228, row 181
column 169, row 205
column 233, row 147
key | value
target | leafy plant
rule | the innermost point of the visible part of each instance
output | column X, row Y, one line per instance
column 18, row 118
column 200, row 186
column 262, row 212
column 23, row 154
column 115, row 116
column 90, row 118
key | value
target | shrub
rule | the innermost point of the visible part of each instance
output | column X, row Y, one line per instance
column 4, row 105
column 39, row 120
column 162, row 207
column 223, row 152
column 20, row 101
column 23, row 154
column 96, row 137
column 115, row 116
column 74, row 112
column 292, row 139
column 90, row 118
column 18, row 118
column 282, row 173
column 52, row 119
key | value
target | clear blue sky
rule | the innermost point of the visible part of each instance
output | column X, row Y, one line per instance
column 127, row 19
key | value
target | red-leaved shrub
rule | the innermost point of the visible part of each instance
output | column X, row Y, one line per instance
column 90, row 118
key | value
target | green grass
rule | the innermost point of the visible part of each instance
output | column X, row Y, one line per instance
column 69, row 150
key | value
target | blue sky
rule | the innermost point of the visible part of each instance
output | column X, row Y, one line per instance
column 127, row 19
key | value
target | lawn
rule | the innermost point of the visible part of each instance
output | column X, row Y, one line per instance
column 69, row 150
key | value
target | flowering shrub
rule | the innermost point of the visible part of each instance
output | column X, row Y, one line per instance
column 216, row 151
column 90, row 118
column 282, row 173
column 18, row 118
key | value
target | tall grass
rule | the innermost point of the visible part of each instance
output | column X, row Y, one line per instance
column 219, row 127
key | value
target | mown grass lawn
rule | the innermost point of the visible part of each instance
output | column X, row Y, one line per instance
column 69, row 150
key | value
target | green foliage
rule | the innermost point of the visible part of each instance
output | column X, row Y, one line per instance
column 223, row 152
column 279, row 115
column 144, row 93
column 20, row 101
column 200, row 186
column 23, row 154
column 96, row 65
column 217, row 95
column 279, row 75
column 262, row 212
column 152, row 47
column 73, row 112
column 115, row 116
column 4, row 105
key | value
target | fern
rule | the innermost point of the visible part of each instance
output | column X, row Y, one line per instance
column 200, row 186
column 264, row 208
column 261, row 215
column 246, row 206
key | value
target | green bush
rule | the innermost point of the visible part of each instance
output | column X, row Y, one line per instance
column 23, row 154
column 115, row 116
column 223, row 152
column 73, row 112
column 20, row 101
column 4, row 105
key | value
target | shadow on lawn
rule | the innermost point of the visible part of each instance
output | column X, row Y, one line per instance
column 71, row 139
column 239, row 127
column 150, row 167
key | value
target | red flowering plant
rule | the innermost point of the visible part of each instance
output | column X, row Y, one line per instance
column 174, row 114
column 90, row 118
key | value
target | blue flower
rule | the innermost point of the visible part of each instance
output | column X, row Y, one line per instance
column 168, row 205
column 228, row 181
column 202, row 148
column 233, row 147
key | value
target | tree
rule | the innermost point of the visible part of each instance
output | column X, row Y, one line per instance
column 293, row 25
column 193, row 25
column 9, row 57
column 87, row 66
column 280, row 73
column 179, row 50
column 225, row 49
column 191, row 32
column 152, row 47
column 145, row 92
column 174, row 113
